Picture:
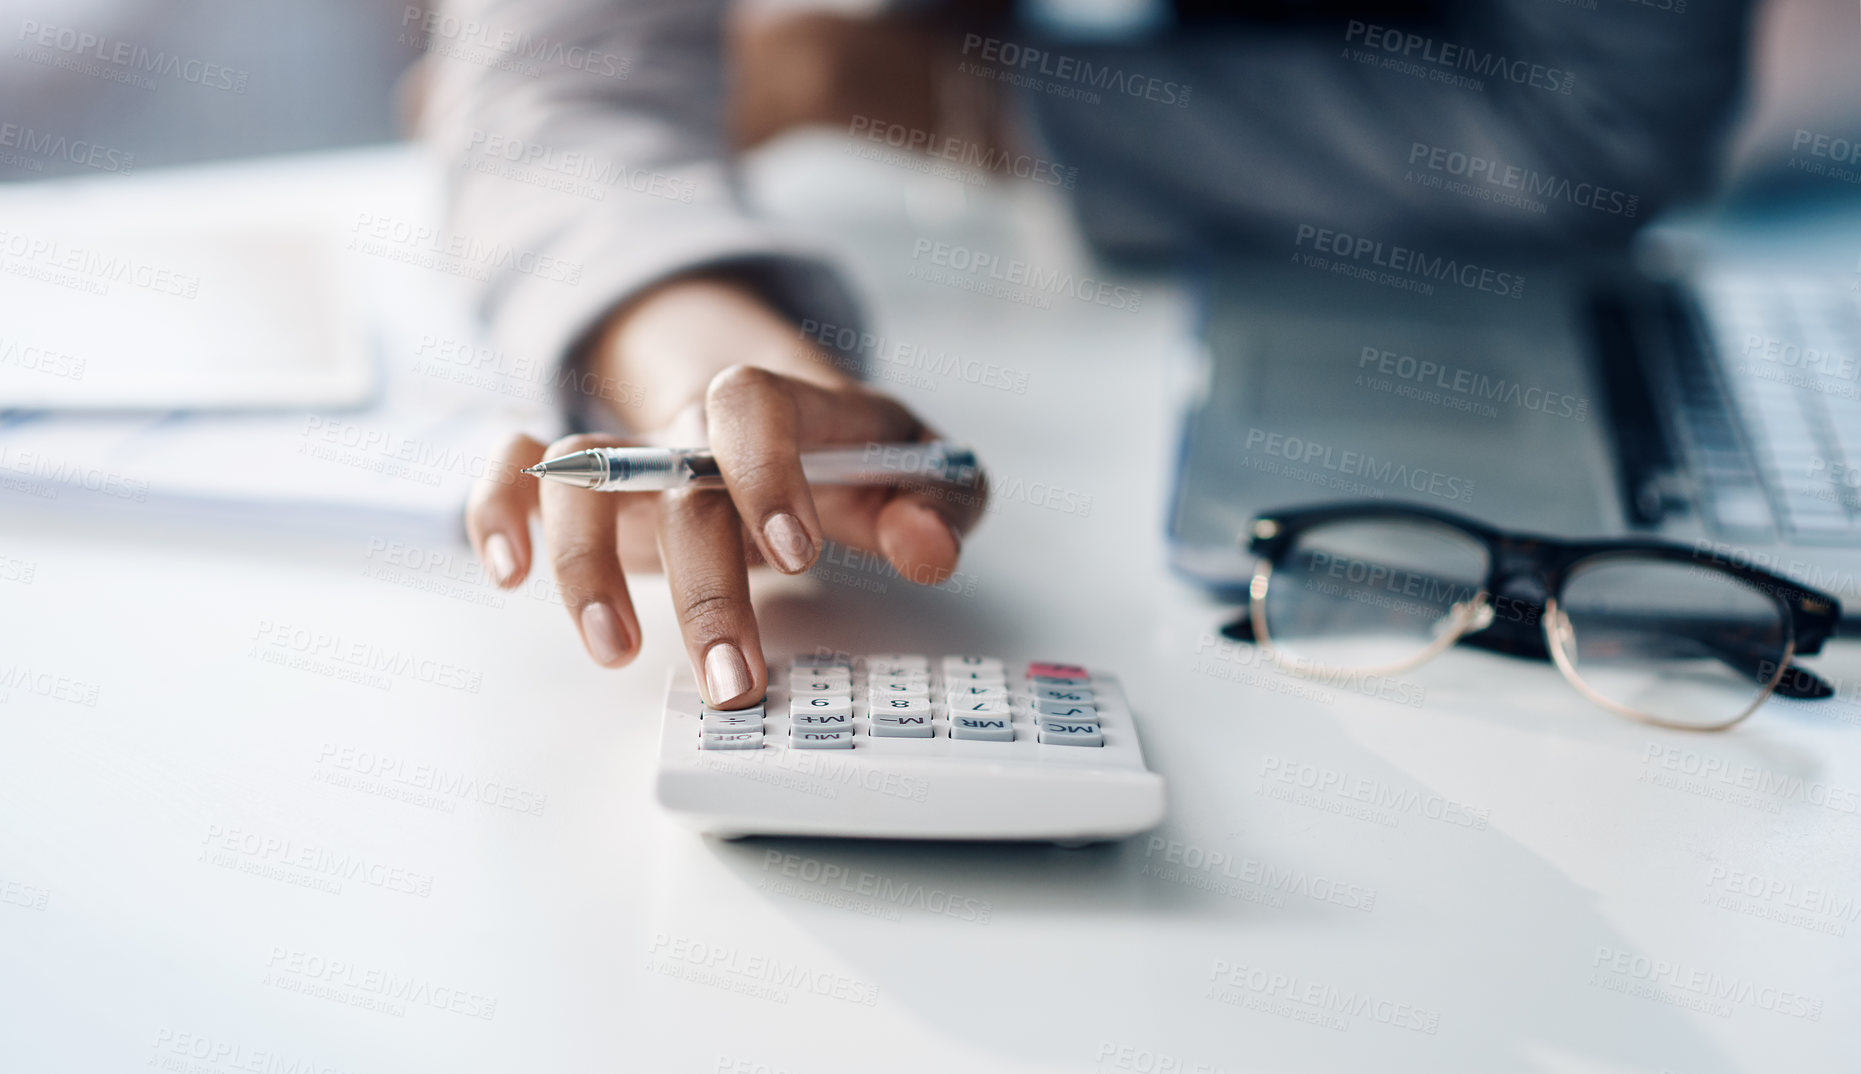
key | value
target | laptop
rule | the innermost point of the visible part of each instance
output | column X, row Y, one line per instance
column 1706, row 389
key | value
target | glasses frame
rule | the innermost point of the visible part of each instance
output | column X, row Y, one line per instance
column 1810, row 617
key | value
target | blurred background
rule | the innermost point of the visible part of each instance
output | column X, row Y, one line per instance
column 228, row 287
column 348, row 72
column 291, row 132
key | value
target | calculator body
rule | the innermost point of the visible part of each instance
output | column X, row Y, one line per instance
column 903, row 747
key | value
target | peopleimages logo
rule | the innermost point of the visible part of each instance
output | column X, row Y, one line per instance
column 132, row 58
column 40, row 360
column 95, row 268
column 571, row 171
column 1021, row 63
column 432, row 247
column 1220, row 658
column 961, row 262
column 901, row 893
column 1719, row 991
column 58, row 147
column 900, row 355
column 1447, row 55
column 970, row 154
column 439, row 26
column 1840, row 150
column 1813, row 575
column 1528, row 181
column 1409, row 262
column 1359, row 464
column 1372, row 792
column 362, row 655
column 1448, row 378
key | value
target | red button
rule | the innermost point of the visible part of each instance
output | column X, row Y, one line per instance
column 1038, row 669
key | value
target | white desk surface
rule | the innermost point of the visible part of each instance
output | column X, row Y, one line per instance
column 194, row 877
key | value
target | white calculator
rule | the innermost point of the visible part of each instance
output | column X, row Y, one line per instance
column 906, row 746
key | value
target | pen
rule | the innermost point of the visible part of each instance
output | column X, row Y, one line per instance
column 650, row 469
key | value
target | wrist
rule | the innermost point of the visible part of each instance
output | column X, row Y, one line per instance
column 668, row 343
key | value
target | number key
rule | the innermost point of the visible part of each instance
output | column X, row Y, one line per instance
column 820, row 705
column 899, row 688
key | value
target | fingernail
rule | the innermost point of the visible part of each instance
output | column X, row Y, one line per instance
column 956, row 539
column 502, row 560
column 601, row 629
column 788, row 542
column 725, row 673
column 956, row 535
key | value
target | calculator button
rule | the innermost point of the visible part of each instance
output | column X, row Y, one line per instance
column 820, row 684
column 821, row 740
column 1078, row 694
column 894, row 688
column 732, row 721
column 974, row 686
column 908, row 727
column 961, row 665
column 903, row 678
column 1066, row 672
column 892, row 663
column 1070, row 734
column 753, row 710
column 822, row 721
column 1046, row 706
column 919, row 719
column 820, row 704
column 731, row 740
column 985, row 728
column 964, row 698
column 900, row 706
column 979, row 706
column 830, row 691
column 977, row 679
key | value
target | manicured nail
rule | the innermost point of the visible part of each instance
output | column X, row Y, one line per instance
column 725, row 673
column 502, row 561
column 956, row 535
column 788, row 542
column 956, row 539
column 601, row 629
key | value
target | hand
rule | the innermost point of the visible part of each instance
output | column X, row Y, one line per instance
column 757, row 417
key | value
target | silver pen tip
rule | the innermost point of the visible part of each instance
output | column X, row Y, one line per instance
column 539, row 468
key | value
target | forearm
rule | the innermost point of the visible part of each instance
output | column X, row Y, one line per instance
column 598, row 142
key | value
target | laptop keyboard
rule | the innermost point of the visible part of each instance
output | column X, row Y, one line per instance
column 1788, row 353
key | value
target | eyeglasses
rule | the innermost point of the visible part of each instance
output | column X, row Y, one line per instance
column 1646, row 629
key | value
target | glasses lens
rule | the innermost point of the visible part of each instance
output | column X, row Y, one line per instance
column 1685, row 645
column 1372, row 595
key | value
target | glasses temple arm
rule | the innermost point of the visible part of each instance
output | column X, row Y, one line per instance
column 1721, row 638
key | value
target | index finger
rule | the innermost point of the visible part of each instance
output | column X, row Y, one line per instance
column 756, row 422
